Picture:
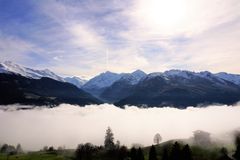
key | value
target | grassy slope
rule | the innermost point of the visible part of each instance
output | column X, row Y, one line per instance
column 198, row 153
column 38, row 156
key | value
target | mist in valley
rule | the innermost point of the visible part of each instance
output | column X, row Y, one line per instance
column 69, row 125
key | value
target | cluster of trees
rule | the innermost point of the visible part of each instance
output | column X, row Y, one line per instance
column 112, row 150
column 236, row 155
column 173, row 151
column 10, row 149
column 48, row 149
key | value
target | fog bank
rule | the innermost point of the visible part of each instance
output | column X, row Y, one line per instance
column 70, row 125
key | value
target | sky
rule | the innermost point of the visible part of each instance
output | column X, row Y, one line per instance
column 68, row 125
column 86, row 37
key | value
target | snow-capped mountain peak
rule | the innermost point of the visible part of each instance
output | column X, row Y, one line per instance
column 179, row 73
column 134, row 77
column 12, row 68
column 139, row 73
column 103, row 80
column 234, row 78
column 79, row 82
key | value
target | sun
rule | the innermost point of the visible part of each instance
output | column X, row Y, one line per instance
column 162, row 14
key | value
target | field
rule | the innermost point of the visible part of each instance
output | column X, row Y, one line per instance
column 40, row 155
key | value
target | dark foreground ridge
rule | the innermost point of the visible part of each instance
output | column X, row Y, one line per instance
column 45, row 91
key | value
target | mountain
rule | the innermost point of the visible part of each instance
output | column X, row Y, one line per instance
column 96, row 85
column 181, row 89
column 133, row 78
column 12, row 68
column 79, row 82
column 177, row 88
column 234, row 78
column 9, row 67
column 15, row 88
column 122, row 88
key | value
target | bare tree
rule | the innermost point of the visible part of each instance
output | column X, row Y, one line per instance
column 157, row 138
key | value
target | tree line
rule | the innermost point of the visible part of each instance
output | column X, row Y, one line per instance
column 112, row 150
column 10, row 149
column 174, row 151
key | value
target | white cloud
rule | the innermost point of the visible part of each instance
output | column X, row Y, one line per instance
column 177, row 17
column 130, row 31
column 69, row 125
column 15, row 49
column 210, row 29
column 85, row 37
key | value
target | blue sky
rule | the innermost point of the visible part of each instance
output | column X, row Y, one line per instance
column 86, row 37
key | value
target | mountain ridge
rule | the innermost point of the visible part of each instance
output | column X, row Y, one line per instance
column 12, row 68
column 181, row 91
column 177, row 88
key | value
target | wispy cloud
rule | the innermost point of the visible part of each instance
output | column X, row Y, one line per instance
column 151, row 35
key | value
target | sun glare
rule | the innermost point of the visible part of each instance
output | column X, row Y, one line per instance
column 163, row 14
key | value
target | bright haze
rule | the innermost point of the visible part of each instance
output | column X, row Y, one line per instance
column 85, row 37
column 69, row 125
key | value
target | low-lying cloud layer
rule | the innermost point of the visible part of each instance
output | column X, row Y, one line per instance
column 70, row 125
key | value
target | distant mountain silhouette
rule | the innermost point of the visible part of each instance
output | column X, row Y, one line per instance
column 123, row 87
column 97, row 84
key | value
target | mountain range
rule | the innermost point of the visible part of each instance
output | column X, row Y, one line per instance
column 24, row 85
column 176, row 88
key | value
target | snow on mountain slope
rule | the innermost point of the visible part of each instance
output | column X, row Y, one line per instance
column 179, row 73
column 102, row 80
column 234, row 78
column 211, row 77
column 79, row 82
column 189, row 75
column 10, row 67
column 134, row 77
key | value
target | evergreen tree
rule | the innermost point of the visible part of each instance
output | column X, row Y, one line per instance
column 4, row 148
column 176, row 152
column 133, row 154
column 165, row 154
column 140, row 155
column 236, row 155
column 152, row 153
column 122, row 153
column 51, row 149
column 118, row 144
column 19, row 149
column 224, row 154
column 186, row 153
column 109, row 139
column 85, row 151
column 9, row 149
